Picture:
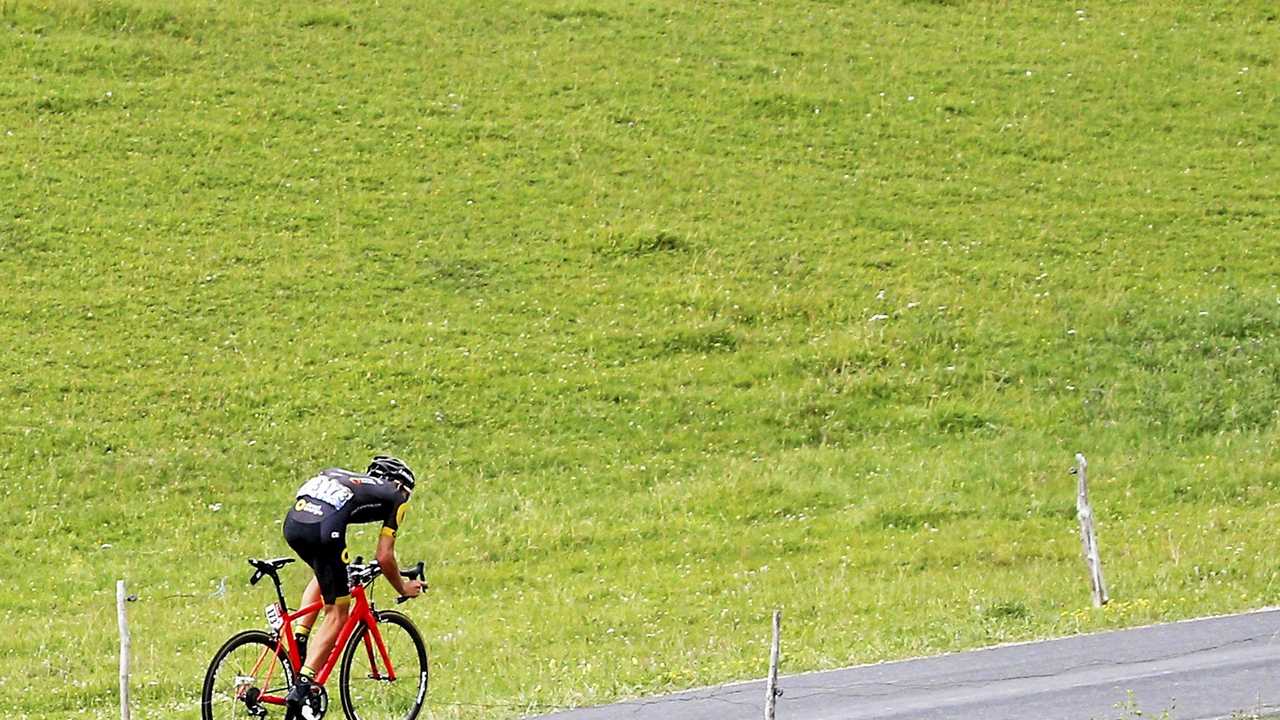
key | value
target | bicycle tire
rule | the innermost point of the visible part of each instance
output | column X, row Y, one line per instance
column 237, row 641
column 396, row 640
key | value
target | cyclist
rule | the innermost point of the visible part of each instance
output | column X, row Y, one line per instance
column 316, row 529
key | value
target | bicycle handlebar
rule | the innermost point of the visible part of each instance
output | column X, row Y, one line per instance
column 363, row 573
column 417, row 572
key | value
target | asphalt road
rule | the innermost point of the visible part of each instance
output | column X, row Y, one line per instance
column 1197, row 670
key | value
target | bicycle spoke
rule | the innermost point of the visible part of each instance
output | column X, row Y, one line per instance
column 247, row 670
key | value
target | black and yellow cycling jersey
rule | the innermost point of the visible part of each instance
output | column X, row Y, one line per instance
column 316, row 525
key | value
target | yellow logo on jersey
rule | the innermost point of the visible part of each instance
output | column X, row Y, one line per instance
column 346, row 556
column 400, row 513
column 300, row 505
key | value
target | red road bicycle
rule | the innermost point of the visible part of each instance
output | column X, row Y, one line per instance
column 381, row 657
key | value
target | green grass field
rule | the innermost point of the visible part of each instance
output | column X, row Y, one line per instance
column 687, row 311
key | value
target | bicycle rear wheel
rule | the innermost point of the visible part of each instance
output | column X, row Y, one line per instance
column 367, row 692
column 245, row 668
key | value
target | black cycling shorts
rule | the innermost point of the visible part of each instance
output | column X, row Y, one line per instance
column 322, row 547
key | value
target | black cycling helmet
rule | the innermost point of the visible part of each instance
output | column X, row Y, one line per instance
column 390, row 468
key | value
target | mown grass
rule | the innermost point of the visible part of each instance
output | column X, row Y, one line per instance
column 687, row 312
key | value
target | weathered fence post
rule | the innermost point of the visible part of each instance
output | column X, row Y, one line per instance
column 771, row 685
column 1088, row 536
column 121, row 599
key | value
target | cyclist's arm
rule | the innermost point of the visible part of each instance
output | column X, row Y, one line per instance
column 386, row 556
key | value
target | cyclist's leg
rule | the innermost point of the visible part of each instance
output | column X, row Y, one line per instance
column 324, row 637
column 305, row 535
column 335, row 614
column 304, row 539
column 331, row 581
column 303, row 624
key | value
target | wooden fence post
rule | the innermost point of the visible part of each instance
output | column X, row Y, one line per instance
column 121, row 599
column 771, row 685
column 1088, row 536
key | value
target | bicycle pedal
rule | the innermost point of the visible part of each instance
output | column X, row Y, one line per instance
column 315, row 706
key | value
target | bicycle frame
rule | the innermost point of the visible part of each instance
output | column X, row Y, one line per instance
column 361, row 613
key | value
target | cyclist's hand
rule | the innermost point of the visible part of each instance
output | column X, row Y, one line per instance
column 412, row 588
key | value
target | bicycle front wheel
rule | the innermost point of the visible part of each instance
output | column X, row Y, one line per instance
column 368, row 691
column 246, row 669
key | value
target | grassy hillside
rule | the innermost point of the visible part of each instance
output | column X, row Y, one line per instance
column 686, row 310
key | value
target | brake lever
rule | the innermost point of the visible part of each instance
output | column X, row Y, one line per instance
column 417, row 572
column 403, row 598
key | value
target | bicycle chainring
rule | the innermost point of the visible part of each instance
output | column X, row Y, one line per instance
column 251, row 704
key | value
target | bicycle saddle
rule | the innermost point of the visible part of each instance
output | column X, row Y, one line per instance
column 270, row 566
